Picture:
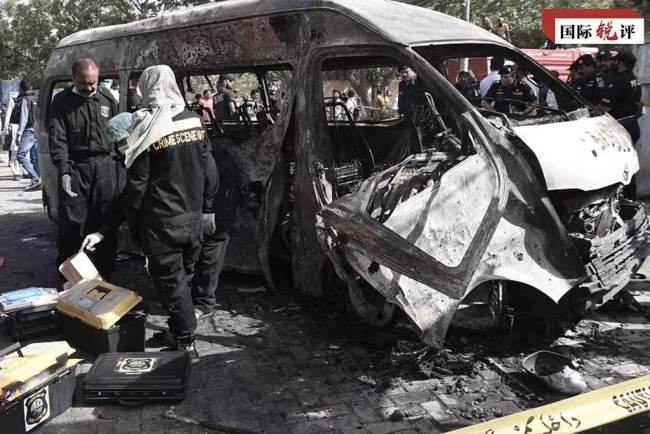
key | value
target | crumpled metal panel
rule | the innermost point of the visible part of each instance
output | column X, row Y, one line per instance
column 584, row 154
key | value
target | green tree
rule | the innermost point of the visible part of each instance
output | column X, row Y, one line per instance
column 523, row 16
column 30, row 30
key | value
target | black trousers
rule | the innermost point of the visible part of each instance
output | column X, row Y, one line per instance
column 95, row 182
column 208, row 268
column 171, row 257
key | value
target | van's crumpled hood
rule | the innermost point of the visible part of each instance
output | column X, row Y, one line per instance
column 584, row 154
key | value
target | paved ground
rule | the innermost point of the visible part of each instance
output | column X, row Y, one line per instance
column 278, row 364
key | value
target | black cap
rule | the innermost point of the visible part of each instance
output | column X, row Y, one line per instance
column 628, row 59
column 223, row 77
column 604, row 54
column 585, row 60
column 505, row 70
column 574, row 66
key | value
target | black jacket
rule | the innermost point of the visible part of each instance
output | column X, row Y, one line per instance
column 172, row 183
column 226, row 199
column 77, row 126
column 623, row 95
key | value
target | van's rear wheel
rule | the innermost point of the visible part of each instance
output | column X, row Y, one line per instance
column 369, row 305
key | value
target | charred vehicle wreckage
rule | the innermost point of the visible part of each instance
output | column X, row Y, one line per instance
column 419, row 205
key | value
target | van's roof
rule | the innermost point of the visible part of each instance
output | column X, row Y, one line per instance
column 397, row 22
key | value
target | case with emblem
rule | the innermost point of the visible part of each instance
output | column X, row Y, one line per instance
column 45, row 400
column 137, row 378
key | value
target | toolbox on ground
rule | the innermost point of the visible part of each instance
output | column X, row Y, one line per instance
column 33, row 323
column 138, row 378
column 36, row 385
column 97, row 303
column 127, row 335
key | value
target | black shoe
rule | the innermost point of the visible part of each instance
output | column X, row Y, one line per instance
column 189, row 348
column 162, row 338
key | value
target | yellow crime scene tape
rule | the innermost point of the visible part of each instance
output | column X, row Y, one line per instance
column 575, row 414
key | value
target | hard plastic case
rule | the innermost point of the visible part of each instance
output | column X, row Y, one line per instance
column 41, row 403
column 128, row 334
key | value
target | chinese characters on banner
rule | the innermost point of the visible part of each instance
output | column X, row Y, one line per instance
column 593, row 26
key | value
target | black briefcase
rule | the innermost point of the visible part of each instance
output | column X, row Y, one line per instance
column 137, row 378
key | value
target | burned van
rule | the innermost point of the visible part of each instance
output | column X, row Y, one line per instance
column 411, row 196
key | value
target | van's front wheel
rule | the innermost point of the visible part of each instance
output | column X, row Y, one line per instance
column 369, row 305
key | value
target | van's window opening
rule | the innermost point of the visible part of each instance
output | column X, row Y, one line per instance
column 449, row 60
column 369, row 134
column 363, row 95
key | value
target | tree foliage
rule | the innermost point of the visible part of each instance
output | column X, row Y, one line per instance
column 29, row 31
column 523, row 16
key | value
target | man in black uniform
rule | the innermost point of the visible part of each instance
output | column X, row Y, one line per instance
column 82, row 155
column 603, row 73
column 623, row 94
column 503, row 95
column 586, row 85
column 171, row 180
column 226, row 107
column 406, row 90
column 213, row 249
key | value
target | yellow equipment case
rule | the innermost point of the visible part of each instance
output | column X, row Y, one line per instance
column 36, row 384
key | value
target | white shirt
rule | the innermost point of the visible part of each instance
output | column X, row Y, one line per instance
column 488, row 81
column 550, row 99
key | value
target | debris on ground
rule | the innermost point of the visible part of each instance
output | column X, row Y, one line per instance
column 254, row 290
column 367, row 380
column 556, row 371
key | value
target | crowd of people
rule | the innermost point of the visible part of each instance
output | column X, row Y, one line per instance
column 606, row 81
column 230, row 104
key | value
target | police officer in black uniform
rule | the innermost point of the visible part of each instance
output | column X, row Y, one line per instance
column 213, row 248
column 505, row 92
column 623, row 94
column 83, row 157
column 586, row 85
column 603, row 73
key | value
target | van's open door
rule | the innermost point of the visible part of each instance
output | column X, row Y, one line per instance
column 416, row 231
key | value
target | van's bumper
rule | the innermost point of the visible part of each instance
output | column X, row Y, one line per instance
column 613, row 259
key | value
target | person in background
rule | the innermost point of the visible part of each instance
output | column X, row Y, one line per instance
column 586, row 85
column 603, row 73
column 207, row 102
column 133, row 97
column 9, row 131
column 25, row 106
column 406, row 88
column 337, row 111
column 167, row 200
column 496, row 63
column 213, row 249
column 508, row 95
column 352, row 104
column 227, row 106
column 546, row 95
column 622, row 97
column 502, row 29
column 84, row 161
column 467, row 86
column 521, row 75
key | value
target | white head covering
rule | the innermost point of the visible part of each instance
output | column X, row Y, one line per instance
column 161, row 101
